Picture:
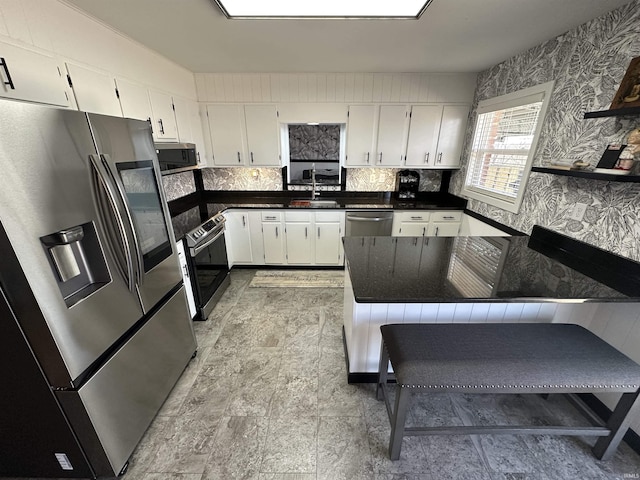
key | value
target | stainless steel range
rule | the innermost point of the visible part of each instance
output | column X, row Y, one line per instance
column 208, row 264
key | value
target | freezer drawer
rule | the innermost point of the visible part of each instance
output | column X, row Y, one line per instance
column 123, row 397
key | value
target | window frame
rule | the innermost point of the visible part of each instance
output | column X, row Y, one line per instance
column 503, row 102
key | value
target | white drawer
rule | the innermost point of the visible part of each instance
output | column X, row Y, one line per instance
column 446, row 216
column 297, row 216
column 271, row 216
column 332, row 216
column 419, row 216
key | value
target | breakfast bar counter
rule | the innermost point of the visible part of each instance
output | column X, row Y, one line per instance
column 472, row 279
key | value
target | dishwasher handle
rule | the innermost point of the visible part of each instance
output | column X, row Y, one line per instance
column 368, row 219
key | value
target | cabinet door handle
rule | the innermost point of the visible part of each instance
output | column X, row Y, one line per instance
column 9, row 81
column 318, row 232
column 447, row 217
column 244, row 223
column 437, row 228
column 426, row 158
column 367, row 157
column 305, row 232
column 251, row 157
column 276, row 232
column 416, row 218
column 239, row 158
column 380, row 157
column 424, row 229
column 161, row 126
column 440, row 157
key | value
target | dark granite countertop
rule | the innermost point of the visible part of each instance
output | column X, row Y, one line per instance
column 480, row 269
column 189, row 212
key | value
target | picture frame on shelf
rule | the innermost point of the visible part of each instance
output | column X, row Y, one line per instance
column 628, row 94
column 610, row 156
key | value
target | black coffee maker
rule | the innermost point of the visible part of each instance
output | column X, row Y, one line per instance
column 407, row 184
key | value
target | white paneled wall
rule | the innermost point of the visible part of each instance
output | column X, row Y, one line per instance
column 336, row 87
column 362, row 321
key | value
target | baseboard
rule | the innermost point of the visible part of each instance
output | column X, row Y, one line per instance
column 631, row 438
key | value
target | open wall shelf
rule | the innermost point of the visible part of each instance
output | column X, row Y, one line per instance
column 591, row 175
column 618, row 112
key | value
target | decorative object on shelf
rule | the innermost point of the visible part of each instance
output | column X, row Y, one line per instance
column 628, row 94
column 610, row 157
column 580, row 165
column 633, row 141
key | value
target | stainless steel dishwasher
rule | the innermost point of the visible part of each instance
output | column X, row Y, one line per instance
column 368, row 223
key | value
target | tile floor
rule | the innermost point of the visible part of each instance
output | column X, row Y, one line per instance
column 266, row 398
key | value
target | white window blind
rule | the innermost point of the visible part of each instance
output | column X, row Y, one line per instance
column 475, row 265
column 503, row 145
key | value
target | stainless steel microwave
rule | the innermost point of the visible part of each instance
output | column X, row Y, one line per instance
column 176, row 157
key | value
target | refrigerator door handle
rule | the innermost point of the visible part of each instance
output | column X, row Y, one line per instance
column 106, row 160
column 117, row 240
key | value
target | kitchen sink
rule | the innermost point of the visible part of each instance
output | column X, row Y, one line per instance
column 306, row 202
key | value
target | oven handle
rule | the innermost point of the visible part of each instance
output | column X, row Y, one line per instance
column 197, row 249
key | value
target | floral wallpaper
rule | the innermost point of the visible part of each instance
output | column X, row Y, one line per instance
column 384, row 180
column 250, row 179
column 587, row 65
column 178, row 185
column 314, row 142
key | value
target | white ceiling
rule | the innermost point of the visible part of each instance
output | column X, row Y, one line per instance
column 451, row 36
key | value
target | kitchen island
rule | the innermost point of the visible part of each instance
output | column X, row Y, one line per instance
column 471, row 279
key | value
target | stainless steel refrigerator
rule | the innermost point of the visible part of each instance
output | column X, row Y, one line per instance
column 94, row 326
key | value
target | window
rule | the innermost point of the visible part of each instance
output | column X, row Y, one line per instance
column 504, row 141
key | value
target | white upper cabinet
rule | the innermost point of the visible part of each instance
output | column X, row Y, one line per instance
column 94, row 91
column 376, row 135
column 244, row 136
column 422, row 145
column 452, row 130
column 183, row 120
column 227, row 135
column 163, row 120
column 134, row 100
column 435, row 135
column 361, row 135
column 263, row 146
column 392, row 135
column 31, row 76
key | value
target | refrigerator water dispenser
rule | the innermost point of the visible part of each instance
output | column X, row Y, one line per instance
column 77, row 261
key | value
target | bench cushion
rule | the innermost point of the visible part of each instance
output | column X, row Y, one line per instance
column 506, row 358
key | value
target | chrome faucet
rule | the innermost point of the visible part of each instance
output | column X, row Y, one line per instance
column 313, row 182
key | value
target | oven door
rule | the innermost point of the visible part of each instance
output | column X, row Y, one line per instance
column 210, row 272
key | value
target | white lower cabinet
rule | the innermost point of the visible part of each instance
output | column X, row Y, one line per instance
column 328, row 238
column 298, row 225
column 429, row 224
column 444, row 224
column 273, row 238
column 410, row 224
column 238, row 238
column 284, row 237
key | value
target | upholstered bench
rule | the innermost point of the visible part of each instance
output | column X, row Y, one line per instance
column 502, row 358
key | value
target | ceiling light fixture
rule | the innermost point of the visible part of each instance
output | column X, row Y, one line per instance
column 325, row 9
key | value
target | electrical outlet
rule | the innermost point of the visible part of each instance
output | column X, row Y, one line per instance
column 381, row 178
column 372, row 178
column 578, row 211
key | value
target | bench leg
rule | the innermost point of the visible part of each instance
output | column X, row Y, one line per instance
column 397, row 421
column 627, row 406
column 383, row 367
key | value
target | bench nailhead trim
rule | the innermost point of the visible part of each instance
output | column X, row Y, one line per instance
column 518, row 386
